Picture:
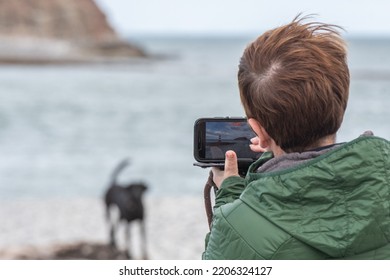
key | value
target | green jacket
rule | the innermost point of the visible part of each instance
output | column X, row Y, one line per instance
column 334, row 206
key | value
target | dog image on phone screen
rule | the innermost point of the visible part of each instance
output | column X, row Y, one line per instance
column 126, row 201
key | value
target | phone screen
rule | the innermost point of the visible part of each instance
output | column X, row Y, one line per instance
column 216, row 136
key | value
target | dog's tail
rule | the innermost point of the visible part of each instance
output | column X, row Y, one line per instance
column 118, row 169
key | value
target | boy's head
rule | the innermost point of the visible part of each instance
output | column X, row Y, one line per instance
column 294, row 81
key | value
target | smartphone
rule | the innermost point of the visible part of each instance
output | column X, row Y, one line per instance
column 214, row 136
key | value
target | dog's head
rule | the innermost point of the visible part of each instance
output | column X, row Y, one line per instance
column 136, row 189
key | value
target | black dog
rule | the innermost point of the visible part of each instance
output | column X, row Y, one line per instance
column 128, row 200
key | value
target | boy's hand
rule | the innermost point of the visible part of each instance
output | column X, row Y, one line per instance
column 231, row 169
column 255, row 145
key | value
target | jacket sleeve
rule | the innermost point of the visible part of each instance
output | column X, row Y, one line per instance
column 226, row 241
column 229, row 191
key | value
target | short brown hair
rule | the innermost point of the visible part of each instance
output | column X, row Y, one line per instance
column 294, row 80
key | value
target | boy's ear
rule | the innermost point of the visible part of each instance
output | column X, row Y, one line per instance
column 264, row 138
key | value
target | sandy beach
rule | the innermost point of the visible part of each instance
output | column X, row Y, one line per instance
column 176, row 226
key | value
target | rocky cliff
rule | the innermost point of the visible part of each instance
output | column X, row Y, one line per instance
column 52, row 31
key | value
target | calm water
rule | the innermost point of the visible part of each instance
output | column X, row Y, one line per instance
column 63, row 129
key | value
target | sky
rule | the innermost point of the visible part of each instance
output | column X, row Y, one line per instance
column 357, row 17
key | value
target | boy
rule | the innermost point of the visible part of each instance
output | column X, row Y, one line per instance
column 306, row 197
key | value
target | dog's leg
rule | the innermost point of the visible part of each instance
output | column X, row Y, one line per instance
column 127, row 241
column 112, row 235
column 143, row 239
column 113, row 220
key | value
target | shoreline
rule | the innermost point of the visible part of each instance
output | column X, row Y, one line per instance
column 175, row 227
column 35, row 50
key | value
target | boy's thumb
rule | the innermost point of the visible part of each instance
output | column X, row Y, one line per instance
column 231, row 164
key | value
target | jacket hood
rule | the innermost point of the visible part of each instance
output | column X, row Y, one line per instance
column 337, row 202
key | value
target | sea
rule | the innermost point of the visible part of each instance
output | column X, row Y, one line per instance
column 64, row 128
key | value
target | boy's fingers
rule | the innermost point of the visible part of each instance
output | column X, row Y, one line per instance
column 231, row 165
